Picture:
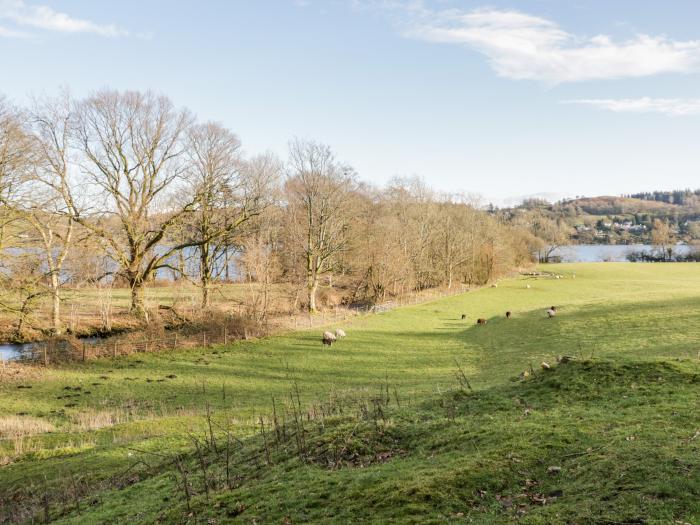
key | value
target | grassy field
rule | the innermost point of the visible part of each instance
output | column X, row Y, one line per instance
column 610, row 437
column 84, row 309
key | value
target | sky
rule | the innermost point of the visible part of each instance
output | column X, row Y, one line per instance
column 504, row 99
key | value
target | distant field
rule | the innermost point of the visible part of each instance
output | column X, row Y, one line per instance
column 81, row 307
column 95, row 420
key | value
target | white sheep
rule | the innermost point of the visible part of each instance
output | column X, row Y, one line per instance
column 339, row 333
column 328, row 338
column 528, row 286
column 551, row 312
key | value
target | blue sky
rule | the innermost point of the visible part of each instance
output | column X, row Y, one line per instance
column 503, row 99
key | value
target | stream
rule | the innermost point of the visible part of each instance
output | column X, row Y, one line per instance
column 18, row 351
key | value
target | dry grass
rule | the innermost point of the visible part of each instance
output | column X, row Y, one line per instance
column 83, row 309
column 95, row 419
column 20, row 426
column 18, row 373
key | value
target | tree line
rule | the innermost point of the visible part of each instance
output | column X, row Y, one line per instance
column 685, row 197
column 124, row 187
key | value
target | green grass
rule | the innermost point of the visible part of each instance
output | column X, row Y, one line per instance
column 619, row 420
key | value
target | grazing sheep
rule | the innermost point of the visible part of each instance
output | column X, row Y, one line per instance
column 508, row 314
column 528, row 286
column 481, row 320
column 464, row 316
column 328, row 338
column 494, row 285
column 339, row 333
column 552, row 312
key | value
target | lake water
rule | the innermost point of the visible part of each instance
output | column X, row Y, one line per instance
column 606, row 252
column 12, row 351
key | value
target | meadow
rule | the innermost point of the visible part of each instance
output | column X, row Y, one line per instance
column 89, row 310
column 471, row 430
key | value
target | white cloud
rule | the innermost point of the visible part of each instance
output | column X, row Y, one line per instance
column 44, row 17
column 673, row 107
column 523, row 46
column 11, row 33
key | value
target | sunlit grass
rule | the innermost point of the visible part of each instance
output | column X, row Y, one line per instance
column 98, row 411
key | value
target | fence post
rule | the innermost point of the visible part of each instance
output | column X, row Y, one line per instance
column 46, row 352
column 114, row 350
column 204, row 339
column 175, row 342
column 83, row 352
column 225, row 335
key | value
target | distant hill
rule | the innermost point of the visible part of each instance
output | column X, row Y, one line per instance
column 607, row 205
column 622, row 219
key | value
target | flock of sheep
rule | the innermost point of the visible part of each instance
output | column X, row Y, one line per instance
column 551, row 312
column 329, row 337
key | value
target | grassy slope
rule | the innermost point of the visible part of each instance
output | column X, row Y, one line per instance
column 629, row 318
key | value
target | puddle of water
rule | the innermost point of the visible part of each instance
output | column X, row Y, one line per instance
column 14, row 351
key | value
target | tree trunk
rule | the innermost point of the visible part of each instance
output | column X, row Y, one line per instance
column 138, row 305
column 206, row 300
column 312, row 286
column 205, row 274
column 56, row 305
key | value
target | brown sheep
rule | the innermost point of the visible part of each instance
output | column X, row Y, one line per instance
column 328, row 338
column 464, row 316
column 481, row 320
column 508, row 314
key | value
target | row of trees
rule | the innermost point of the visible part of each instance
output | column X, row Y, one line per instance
column 121, row 186
column 685, row 197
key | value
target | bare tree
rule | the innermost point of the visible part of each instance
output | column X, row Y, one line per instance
column 553, row 232
column 231, row 191
column 131, row 145
column 413, row 205
column 21, row 275
column 317, row 192
column 261, row 263
column 22, row 285
column 378, row 253
column 453, row 243
column 43, row 206
column 662, row 237
column 15, row 161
